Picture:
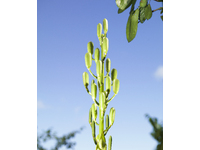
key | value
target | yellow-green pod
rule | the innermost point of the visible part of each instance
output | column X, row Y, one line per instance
column 102, row 100
column 108, row 64
column 113, row 74
column 105, row 44
column 90, row 116
column 107, row 121
column 94, row 111
column 143, row 3
column 94, row 90
column 93, row 132
column 96, row 54
column 99, row 30
column 88, row 60
column 99, row 68
column 108, row 84
column 90, row 47
column 105, row 25
column 112, row 115
column 116, row 86
column 110, row 143
column 85, row 79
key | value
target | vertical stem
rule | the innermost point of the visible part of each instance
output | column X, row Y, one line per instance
column 101, row 115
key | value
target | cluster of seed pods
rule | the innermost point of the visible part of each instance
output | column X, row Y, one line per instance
column 111, row 81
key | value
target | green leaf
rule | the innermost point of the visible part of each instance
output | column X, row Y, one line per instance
column 122, row 4
column 161, row 17
column 121, row 10
column 148, row 12
column 142, row 14
column 161, row 10
column 132, row 25
column 133, row 6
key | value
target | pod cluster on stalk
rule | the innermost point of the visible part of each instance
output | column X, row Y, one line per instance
column 109, row 79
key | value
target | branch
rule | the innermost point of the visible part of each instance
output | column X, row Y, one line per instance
column 92, row 73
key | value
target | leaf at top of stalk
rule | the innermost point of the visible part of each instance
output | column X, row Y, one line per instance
column 132, row 7
column 132, row 25
column 142, row 14
column 129, row 4
column 122, row 4
column 148, row 12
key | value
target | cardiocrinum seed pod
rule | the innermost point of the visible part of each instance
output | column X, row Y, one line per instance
column 88, row 60
column 90, row 116
column 108, row 84
column 90, row 47
column 99, row 67
column 94, row 112
column 112, row 115
column 107, row 121
column 113, row 74
column 99, row 30
column 110, row 143
column 96, row 54
column 94, row 90
column 105, row 44
column 94, row 132
column 102, row 100
column 85, row 79
column 116, row 86
column 108, row 64
column 143, row 3
column 105, row 25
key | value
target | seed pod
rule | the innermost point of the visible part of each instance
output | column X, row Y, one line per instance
column 113, row 74
column 99, row 30
column 143, row 3
column 94, row 90
column 90, row 47
column 102, row 100
column 94, row 111
column 107, row 121
column 116, row 86
column 112, row 115
column 92, row 83
column 105, row 25
column 110, row 143
column 105, row 44
column 93, row 132
column 102, row 142
column 90, row 116
column 85, row 79
column 99, row 67
column 108, row 84
column 88, row 60
column 96, row 54
column 108, row 64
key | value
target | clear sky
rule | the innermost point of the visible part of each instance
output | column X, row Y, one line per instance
column 63, row 30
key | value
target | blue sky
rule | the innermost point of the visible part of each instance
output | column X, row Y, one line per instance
column 63, row 30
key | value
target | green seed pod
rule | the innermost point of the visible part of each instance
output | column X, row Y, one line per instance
column 94, row 90
column 143, row 3
column 107, row 121
column 105, row 25
column 88, row 60
column 90, row 47
column 90, row 116
column 108, row 84
column 85, row 79
column 94, row 111
column 110, row 143
column 116, row 86
column 113, row 74
column 92, row 83
column 108, row 64
column 99, row 67
column 112, row 115
column 96, row 54
column 99, row 30
column 102, row 100
column 102, row 142
column 93, row 132
column 105, row 44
